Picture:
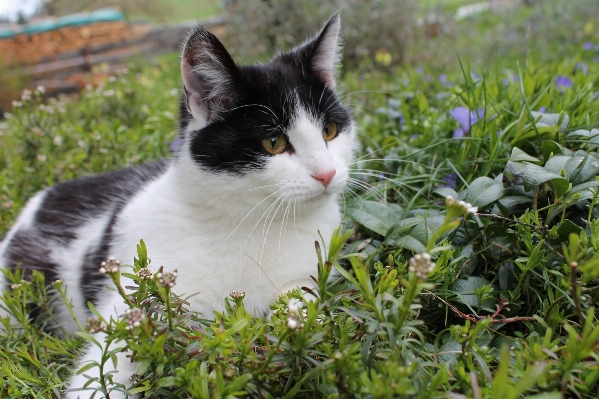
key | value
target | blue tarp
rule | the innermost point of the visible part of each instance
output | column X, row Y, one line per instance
column 86, row 18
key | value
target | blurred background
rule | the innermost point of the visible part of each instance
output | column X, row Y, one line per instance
column 65, row 44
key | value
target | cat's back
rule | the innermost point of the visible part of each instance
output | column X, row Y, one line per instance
column 72, row 216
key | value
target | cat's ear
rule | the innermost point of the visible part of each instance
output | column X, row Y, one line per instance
column 323, row 53
column 209, row 75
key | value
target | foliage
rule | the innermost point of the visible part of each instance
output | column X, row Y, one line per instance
column 543, row 30
column 370, row 28
column 508, row 309
column 121, row 122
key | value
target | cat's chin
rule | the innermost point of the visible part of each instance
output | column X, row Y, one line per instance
column 319, row 200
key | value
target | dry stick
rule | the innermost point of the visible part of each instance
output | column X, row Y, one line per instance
column 493, row 216
column 476, row 320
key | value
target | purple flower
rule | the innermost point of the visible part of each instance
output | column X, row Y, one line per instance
column 542, row 110
column 414, row 137
column 419, row 70
column 563, row 82
column 474, row 75
column 466, row 119
column 427, row 78
column 587, row 46
column 509, row 79
column 176, row 144
column 444, row 81
column 451, row 181
column 581, row 66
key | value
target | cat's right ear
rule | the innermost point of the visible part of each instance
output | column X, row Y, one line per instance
column 209, row 75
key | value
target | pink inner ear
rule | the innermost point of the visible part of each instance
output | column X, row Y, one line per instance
column 196, row 93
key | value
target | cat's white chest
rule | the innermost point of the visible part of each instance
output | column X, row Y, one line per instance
column 217, row 251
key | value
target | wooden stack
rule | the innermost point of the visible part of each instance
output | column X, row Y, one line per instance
column 30, row 49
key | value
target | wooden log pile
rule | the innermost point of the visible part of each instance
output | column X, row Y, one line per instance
column 51, row 45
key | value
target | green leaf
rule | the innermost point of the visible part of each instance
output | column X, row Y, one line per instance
column 564, row 230
column 585, row 191
column 446, row 191
column 403, row 226
column 551, row 147
column 530, row 176
column 374, row 216
column 506, row 276
column 449, row 351
column 583, row 171
column 238, row 383
column 410, row 243
column 465, row 287
column 483, row 191
column 520, row 156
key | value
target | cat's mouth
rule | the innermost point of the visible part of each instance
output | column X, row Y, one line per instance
column 318, row 198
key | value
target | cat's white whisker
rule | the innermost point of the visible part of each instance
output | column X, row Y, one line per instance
column 270, row 224
column 261, row 187
column 365, row 187
column 248, row 214
column 268, row 210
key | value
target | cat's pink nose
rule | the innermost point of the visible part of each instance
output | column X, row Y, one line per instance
column 325, row 177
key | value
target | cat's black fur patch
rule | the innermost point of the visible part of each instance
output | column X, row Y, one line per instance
column 68, row 206
column 263, row 104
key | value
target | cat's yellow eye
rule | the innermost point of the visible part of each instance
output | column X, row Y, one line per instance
column 330, row 131
column 275, row 145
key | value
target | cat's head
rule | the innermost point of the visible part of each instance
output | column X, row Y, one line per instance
column 277, row 127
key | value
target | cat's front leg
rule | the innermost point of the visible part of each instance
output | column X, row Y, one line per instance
column 105, row 370
column 120, row 373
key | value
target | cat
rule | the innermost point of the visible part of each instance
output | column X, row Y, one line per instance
column 264, row 156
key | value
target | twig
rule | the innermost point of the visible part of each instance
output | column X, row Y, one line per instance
column 493, row 216
column 476, row 319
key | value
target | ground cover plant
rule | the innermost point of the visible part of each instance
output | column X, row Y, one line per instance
column 492, row 297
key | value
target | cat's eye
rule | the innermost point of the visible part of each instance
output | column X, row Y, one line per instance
column 275, row 145
column 330, row 131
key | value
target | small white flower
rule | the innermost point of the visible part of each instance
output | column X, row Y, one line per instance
column 134, row 317
column 110, row 266
column 26, row 96
column 422, row 265
column 237, row 294
column 292, row 324
column 471, row 209
column 295, row 305
column 41, row 89
column 17, row 104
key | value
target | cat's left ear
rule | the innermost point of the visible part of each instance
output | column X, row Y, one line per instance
column 209, row 75
column 324, row 51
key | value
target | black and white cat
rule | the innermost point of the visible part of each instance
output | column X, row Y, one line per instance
column 265, row 151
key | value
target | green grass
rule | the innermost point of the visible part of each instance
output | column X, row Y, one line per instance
column 185, row 10
column 509, row 310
